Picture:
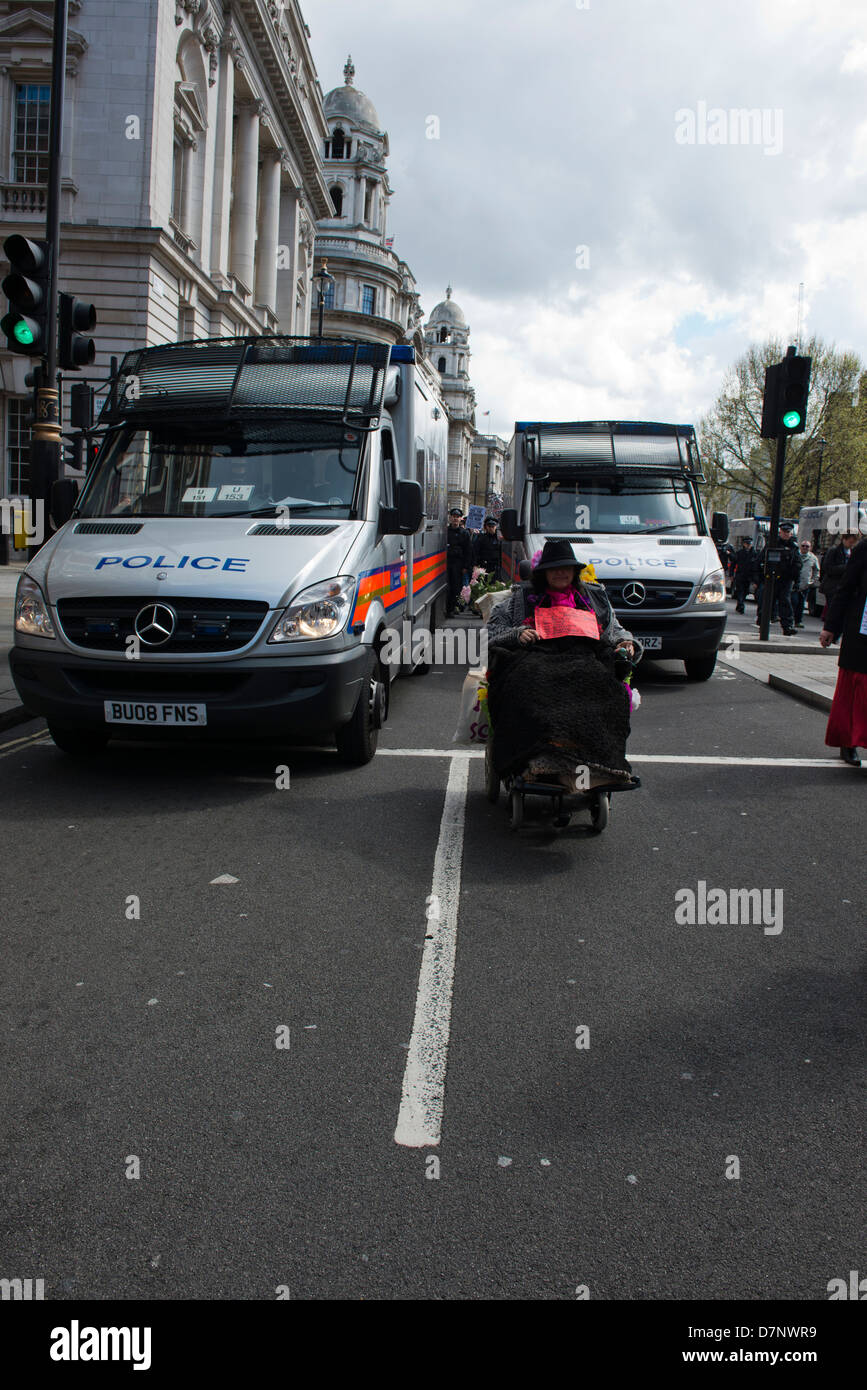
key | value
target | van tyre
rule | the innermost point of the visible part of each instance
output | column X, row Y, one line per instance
column 80, row 743
column 357, row 740
column 700, row 668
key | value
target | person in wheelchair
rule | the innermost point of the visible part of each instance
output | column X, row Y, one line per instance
column 559, row 706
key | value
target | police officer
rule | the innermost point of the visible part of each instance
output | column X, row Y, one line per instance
column 743, row 573
column 486, row 548
column 459, row 558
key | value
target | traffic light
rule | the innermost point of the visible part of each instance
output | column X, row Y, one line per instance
column 73, row 450
column 75, row 318
column 27, row 288
column 787, row 386
column 771, row 400
column 792, row 405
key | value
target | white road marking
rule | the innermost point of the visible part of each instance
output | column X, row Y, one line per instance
column 419, row 1122
column 687, row 758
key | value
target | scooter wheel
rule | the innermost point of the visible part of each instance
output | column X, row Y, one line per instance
column 600, row 813
column 516, row 810
column 492, row 781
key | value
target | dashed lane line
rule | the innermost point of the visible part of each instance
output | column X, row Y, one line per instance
column 419, row 1122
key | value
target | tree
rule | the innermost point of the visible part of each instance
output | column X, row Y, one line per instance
column 739, row 464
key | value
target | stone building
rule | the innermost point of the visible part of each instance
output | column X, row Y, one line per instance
column 487, row 476
column 373, row 293
column 192, row 172
column 447, row 339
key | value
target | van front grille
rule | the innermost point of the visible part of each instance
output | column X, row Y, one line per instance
column 197, row 625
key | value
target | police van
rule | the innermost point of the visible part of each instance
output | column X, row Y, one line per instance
column 261, row 512
column 625, row 495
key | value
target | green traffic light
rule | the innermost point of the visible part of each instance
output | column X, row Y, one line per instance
column 792, row 419
column 23, row 333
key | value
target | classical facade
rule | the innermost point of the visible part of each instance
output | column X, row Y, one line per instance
column 487, row 480
column 447, row 339
column 193, row 176
column 373, row 292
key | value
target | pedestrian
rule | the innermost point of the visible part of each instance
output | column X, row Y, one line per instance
column 846, row 616
column 807, row 578
column 743, row 572
column 834, row 563
column 486, row 548
column 788, row 577
column 459, row 559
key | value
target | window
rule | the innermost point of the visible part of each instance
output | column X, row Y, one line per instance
column 17, row 446
column 337, row 199
column 178, row 182
column 443, row 335
column 30, row 142
column 368, row 200
column 441, row 364
column 387, row 478
column 186, row 322
column 368, row 299
column 338, row 147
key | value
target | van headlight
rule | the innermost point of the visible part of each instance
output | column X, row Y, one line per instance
column 31, row 610
column 319, row 611
column 713, row 588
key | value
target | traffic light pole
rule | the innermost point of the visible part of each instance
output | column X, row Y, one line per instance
column 45, row 444
column 773, row 537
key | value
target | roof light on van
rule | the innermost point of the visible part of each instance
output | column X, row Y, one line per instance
column 320, row 611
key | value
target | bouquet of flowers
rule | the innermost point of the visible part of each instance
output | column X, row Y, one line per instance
column 483, row 583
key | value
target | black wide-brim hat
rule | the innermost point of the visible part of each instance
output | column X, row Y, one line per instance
column 555, row 555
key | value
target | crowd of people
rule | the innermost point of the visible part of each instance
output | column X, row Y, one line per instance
column 469, row 550
column 802, row 575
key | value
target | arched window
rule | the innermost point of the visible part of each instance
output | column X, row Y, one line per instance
column 337, row 199
column 338, row 144
column 441, row 364
column 443, row 335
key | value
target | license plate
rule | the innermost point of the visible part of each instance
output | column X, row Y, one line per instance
column 155, row 712
column 651, row 644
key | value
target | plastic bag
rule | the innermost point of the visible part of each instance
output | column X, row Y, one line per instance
column 473, row 719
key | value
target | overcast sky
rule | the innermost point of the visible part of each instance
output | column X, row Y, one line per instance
column 606, row 125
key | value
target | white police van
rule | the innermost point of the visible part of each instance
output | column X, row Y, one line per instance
column 262, row 511
column 625, row 495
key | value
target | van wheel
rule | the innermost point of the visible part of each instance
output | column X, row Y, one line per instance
column 700, row 668
column 357, row 740
column 80, row 743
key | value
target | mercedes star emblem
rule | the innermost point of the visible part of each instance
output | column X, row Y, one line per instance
column 634, row 593
column 155, row 624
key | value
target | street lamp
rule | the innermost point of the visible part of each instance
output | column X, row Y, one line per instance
column 322, row 276
column 819, row 475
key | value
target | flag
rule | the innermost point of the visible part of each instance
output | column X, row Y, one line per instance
column 486, row 412
column 389, row 241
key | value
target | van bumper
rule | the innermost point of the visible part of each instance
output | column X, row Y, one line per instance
column 256, row 697
column 697, row 634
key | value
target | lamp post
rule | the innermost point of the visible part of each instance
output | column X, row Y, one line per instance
column 322, row 276
column 819, row 474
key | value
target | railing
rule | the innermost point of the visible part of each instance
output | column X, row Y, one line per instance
column 22, row 197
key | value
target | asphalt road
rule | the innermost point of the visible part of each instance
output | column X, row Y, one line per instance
column 560, row 1166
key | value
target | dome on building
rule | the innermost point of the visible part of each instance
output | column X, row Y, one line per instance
column 349, row 102
column 447, row 311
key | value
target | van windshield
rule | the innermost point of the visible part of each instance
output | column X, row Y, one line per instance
column 627, row 505
column 227, row 469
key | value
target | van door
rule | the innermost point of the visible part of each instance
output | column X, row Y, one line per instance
column 394, row 555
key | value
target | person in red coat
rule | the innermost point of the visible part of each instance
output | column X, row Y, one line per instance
column 846, row 616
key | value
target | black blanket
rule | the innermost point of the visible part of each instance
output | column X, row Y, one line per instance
column 558, row 701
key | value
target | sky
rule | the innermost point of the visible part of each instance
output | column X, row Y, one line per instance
column 615, row 230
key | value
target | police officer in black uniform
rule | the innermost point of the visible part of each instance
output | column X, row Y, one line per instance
column 459, row 558
column 486, row 547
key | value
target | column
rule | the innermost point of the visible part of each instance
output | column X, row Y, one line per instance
column 269, row 226
column 223, row 168
column 287, row 268
column 245, row 181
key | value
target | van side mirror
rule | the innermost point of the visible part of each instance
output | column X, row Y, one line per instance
column 406, row 517
column 62, row 498
column 719, row 527
column 509, row 526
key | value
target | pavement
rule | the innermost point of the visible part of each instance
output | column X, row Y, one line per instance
column 795, row 666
